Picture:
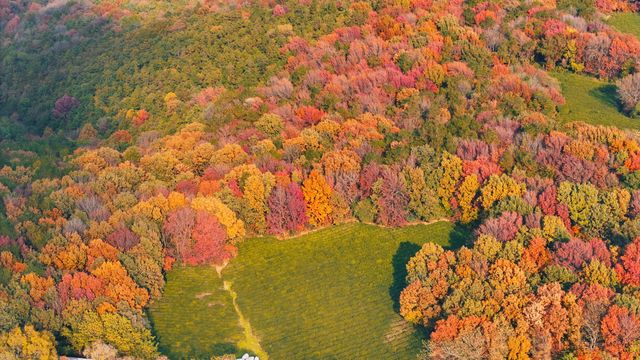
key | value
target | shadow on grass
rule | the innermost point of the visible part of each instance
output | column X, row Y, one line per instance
column 405, row 251
column 606, row 94
column 459, row 236
column 218, row 349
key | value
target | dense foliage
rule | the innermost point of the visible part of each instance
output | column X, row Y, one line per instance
column 194, row 125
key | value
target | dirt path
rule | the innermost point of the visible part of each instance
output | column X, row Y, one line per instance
column 251, row 341
column 351, row 221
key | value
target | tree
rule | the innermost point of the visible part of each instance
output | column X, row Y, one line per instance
column 580, row 200
column 27, row 344
column 123, row 238
column 287, row 209
column 256, row 191
column 597, row 272
column 452, row 171
column 112, row 329
column 317, row 196
column 455, row 338
column 620, row 330
column 118, row 285
column 499, row 187
column 628, row 268
column 226, row 216
column 466, row 194
column 209, row 241
column 576, row 253
column 390, row 198
column 427, row 275
column 505, row 277
column 64, row 105
column 100, row 351
column 423, row 200
column 504, row 228
column 79, row 286
column 519, row 347
column 178, row 225
column 342, row 168
column 629, row 93
column 270, row 124
column 535, row 256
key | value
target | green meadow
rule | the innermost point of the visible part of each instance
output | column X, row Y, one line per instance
column 592, row 101
column 626, row 22
column 329, row 294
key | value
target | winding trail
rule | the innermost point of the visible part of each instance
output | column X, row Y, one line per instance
column 251, row 341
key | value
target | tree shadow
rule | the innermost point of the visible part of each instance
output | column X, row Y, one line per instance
column 459, row 236
column 405, row 251
column 607, row 94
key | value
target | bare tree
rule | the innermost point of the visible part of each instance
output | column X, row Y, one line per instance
column 629, row 92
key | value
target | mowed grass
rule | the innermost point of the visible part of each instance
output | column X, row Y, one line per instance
column 592, row 101
column 332, row 294
column 195, row 317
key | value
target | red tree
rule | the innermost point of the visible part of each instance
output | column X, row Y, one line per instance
column 209, row 238
column 287, row 209
column 64, row 105
column 628, row 268
column 123, row 238
column 620, row 329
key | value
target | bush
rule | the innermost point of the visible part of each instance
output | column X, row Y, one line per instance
column 365, row 211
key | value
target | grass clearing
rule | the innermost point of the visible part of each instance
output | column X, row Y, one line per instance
column 626, row 22
column 195, row 317
column 592, row 101
column 330, row 294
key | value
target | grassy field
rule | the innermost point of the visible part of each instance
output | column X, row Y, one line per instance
column 592, row 101
column 195, row 317
column 331, row 294
column 626, row 22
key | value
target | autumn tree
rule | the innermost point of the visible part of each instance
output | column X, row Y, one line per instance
column 116, row 330
column 287, row 209
column 390, row 198
column 27, row 343
column 498, row 188
column 317, row 196
column 466, row 195
column 209, row 239
column 452, row 172
column 64, row 105
column 628, row 267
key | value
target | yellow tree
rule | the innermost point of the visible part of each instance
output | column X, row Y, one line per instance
column 317, row 196
column 466, row 195
column 519, row 347
column 27, row 344
column 452, row 171
column 256, row 191
column 500, row 187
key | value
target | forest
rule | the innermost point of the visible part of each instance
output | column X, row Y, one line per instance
column 141, row 139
